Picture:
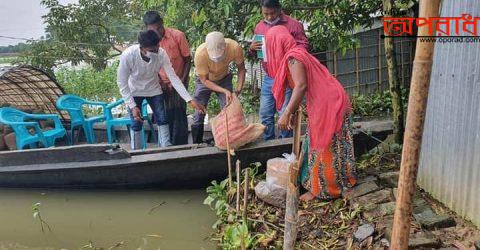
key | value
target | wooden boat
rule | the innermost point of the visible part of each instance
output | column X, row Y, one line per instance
column 110, row 166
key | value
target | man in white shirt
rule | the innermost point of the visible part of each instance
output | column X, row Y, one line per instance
column 138, row 79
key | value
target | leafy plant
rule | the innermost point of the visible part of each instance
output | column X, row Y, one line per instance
column 217, row 200
column 233, row 231
column 86, row 31
column 377, row 104
column 236, row 236
column 38, row 215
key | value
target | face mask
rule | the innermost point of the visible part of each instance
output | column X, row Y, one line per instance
column 150, row 54
column 217, row 59
column 274, row 21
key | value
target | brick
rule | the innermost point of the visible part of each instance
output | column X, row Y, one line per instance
column 423, row 241
column 374, row 198
column 389, row 179
column 361, row 190
column 366, row 179
column 363, row 232
column 430, row 220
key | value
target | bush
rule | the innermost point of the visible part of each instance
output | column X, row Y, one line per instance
column 89, row 83
column 376, row 104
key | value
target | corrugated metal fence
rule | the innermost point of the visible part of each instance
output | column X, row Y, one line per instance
column 363, row 70
column 450, row 158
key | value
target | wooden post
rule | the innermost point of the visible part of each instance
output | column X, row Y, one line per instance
column 379, row 60
column 357, row 68
column 245, row 194
column 291, row 210
column 228, row 150
column 238, row 187
column 402, row 75
column 335, row 63
column 422, row 68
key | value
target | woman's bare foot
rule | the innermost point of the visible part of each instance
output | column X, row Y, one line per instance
column 307, row 196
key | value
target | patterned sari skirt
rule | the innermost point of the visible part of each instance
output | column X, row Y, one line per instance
column 326, row 175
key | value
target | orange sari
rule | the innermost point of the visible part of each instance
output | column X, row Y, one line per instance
column 329, row 165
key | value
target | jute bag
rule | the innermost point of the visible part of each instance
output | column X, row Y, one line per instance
column 239, row 132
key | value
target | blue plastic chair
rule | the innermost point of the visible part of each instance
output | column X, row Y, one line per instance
column 19, row 122
column 111, row 122
column 74, row 106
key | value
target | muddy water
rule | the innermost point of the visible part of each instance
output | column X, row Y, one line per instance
column 129, row 219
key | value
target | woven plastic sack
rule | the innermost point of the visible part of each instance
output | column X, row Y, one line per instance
column 239, row 132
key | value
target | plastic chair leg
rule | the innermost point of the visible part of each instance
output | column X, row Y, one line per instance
column 50, row 142
column 144, row 140
column 109, row 134
column 72, row 135
column 67, row 139
column 87, row 128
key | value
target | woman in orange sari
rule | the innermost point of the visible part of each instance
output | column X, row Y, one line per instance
column 329, row 165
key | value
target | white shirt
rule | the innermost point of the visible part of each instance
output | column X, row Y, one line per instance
column 136, row 77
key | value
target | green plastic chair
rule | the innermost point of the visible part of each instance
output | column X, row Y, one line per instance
column 111, row 122
column 74, row 106
column 20, row 122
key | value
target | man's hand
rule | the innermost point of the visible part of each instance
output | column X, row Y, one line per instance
column 137, row 115
column 256, row 45
column 228, row 95
column 197, row 106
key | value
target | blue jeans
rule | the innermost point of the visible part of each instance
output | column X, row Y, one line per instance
column 157, row 104
column 268, row 110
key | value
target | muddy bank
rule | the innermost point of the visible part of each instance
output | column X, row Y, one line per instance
column 362, row 219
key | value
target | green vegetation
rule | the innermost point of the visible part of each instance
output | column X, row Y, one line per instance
column 232, row 231
column 322, row 225
column 37, row 215
column 90, row 83
column 21, row 47
column 88, row 31
column 7, row 60
column 102, row 86
column 376, row 104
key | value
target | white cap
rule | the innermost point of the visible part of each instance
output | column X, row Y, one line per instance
column 216, row 45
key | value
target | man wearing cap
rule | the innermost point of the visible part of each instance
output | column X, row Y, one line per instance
column 212, row 61
column 175, row 43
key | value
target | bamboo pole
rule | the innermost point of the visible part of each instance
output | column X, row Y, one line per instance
column 357, row 68
column 417, row 103
column 238, row 187
column 401, row 64
column 245, row 194
column 379, row 51
column 228, row 151
column 291, row 209
column 335, row 63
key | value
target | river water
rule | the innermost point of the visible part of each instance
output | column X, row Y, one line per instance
column 135, row 219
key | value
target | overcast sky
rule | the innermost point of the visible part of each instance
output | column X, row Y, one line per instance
column 22, row 18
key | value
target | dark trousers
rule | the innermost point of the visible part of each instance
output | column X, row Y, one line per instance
column 156, row 104
column 177, row 116
column 202, row 96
